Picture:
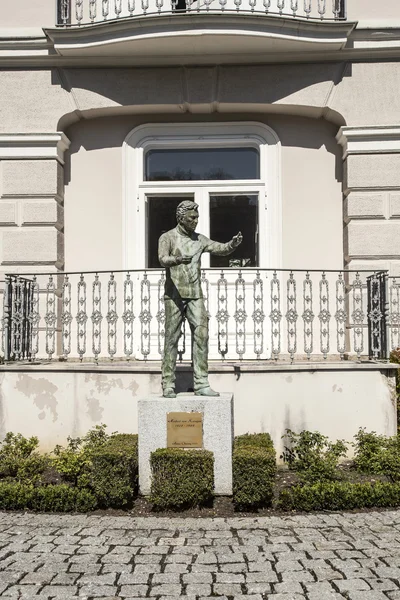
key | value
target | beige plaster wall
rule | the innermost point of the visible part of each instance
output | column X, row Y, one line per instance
column 372, row 211
column 50, row 100
column 371, row 10
column 311, row 192
column 53, row 405
column 28, row 14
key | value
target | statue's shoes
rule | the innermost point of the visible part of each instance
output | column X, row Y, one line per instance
column 169, row 393
column 206, row 392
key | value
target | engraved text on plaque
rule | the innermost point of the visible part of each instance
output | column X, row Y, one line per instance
column 184, row 430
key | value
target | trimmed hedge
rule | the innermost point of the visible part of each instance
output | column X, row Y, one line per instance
column 113, row 471
column 254, row 470
column 338, row 495
column 51, row 498
column 181, row 478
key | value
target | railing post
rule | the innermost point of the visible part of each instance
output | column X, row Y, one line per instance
column 377, row 308
column 63, row 12
column 7, row 319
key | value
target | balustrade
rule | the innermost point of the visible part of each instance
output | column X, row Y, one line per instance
column 254, row 314
column 83, row 12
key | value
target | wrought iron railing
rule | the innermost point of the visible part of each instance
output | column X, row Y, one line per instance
column 71, row 13
column 254, row 314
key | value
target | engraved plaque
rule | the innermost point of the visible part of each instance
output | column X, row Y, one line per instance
column 184, row 430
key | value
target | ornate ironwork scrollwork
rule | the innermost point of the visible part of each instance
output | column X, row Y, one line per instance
column 50, row 318
column 145, row 316
column 308, row 315
column 66, row 318
column 324, row 316
column 112, row 316
column 81, row 317
column 341, row 315
column 222, row 315
column 275, row 316
column 240, row 315
column 258, row 315
column 127, row 316
column 357, row 315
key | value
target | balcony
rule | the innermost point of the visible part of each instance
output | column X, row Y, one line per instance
column 256, row 315
column 174, row 31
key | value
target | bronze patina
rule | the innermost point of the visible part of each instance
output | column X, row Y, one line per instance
column 179, row 251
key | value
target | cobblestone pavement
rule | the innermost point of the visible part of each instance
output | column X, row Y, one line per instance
column 315, row 557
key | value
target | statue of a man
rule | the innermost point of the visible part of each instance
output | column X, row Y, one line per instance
column 179, row 251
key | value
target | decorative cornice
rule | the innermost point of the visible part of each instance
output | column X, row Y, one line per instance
column 20, row 146
column 381, row 139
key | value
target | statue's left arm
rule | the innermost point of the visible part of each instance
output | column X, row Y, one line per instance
column 220, row 249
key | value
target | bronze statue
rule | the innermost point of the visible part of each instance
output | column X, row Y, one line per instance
column 179, row 251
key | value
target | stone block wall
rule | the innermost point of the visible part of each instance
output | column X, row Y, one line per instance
column 371, row 197
column 31, row 202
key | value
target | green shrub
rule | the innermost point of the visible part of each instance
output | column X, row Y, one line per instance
column 377, row 454
column 254, row 472
column 62, row 498
column 313, row 456
column 19, row 459
column 339, row 495
column 181, row 478
column 107, row 465
column 260, row 440
column 395, row 358
column 15, row 496
column 113, row 471
column 54, row 498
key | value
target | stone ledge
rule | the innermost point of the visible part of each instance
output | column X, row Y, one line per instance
column 213, row 367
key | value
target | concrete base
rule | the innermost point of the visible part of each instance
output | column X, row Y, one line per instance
column 217, row 433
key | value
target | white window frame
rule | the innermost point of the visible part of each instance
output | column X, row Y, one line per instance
column 201, row 135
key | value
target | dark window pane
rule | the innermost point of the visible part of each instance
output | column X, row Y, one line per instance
column 202, row 164
column 228, row 216
column 161, row 218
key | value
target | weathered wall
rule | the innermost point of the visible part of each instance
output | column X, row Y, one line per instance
column 53, row 405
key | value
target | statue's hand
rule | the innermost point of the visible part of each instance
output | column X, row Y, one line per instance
column 183, row 260
column 237, row 239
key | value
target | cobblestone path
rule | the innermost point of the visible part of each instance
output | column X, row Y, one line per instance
column 316, row 557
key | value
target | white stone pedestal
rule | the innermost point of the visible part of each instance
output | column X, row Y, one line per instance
column 217, row 433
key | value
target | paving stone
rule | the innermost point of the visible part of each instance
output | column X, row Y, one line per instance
column 227, row 589
column 98, row 590
column 372, row 595
column 166, row 589
column 349, row 585
column 135, row 591
column 207, row 577
column 198, row 589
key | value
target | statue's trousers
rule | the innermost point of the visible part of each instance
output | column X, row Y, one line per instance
column 175, row 312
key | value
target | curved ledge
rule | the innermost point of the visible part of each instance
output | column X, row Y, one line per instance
column 207, row 35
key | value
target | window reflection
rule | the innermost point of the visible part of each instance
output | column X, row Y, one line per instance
column 202, row 164
column 228, row 216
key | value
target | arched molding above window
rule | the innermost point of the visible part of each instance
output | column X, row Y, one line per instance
column 202, row 135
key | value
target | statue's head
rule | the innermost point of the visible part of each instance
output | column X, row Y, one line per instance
column 187, row 215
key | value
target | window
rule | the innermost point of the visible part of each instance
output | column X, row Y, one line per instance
column 231, row 170
column 202, row 164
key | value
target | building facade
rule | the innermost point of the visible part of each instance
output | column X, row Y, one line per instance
column 280, row 118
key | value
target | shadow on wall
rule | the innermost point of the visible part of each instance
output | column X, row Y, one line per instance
column 303, row 89
column 293, row 131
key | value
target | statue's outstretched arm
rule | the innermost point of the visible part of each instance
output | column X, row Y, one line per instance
column 220, row 249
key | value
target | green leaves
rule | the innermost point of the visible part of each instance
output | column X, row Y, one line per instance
column 254, row 469
column 312, row 455
column 181, row 478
